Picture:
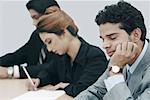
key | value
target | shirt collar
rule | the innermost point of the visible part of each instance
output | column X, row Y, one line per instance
column 135, row 64
column 81, row 55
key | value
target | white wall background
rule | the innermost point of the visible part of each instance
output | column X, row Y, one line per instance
column 16, row 24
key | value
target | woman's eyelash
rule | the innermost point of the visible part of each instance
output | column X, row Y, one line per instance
column 113, row 38
column 48, row 41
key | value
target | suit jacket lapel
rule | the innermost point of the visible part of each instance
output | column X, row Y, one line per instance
column 124, row 72
column 135, row 78
column 137, row 75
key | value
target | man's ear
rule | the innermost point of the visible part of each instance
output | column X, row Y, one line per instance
column 136, row 35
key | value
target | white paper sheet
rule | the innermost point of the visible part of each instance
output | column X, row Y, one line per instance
column 41, row 95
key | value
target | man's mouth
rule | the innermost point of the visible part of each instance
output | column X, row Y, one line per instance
column 110, row 53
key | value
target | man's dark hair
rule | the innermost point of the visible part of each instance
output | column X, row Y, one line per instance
column 124, row 13
column 41, row 5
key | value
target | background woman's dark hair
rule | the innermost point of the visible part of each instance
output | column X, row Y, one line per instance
column 124, row 13
column 41, row 5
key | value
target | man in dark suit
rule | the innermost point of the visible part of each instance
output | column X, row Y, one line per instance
column 29, row 53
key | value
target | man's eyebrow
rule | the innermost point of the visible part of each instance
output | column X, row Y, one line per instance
column 108, row 35
column 111, row 34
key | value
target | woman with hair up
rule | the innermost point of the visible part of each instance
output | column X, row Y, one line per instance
column 82, row 64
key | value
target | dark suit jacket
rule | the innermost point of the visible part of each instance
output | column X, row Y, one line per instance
column 88, row 65
column 29, row 53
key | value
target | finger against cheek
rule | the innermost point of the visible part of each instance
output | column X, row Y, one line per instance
column 118, row 49
column 135, row 50
column 124, row 47
column 129, row 48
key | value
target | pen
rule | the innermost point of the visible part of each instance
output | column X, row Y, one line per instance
column 28, row 77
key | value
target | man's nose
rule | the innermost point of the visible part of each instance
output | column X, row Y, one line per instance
column 106, row 44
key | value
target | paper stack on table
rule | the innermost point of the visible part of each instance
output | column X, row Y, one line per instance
column 41, row 95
